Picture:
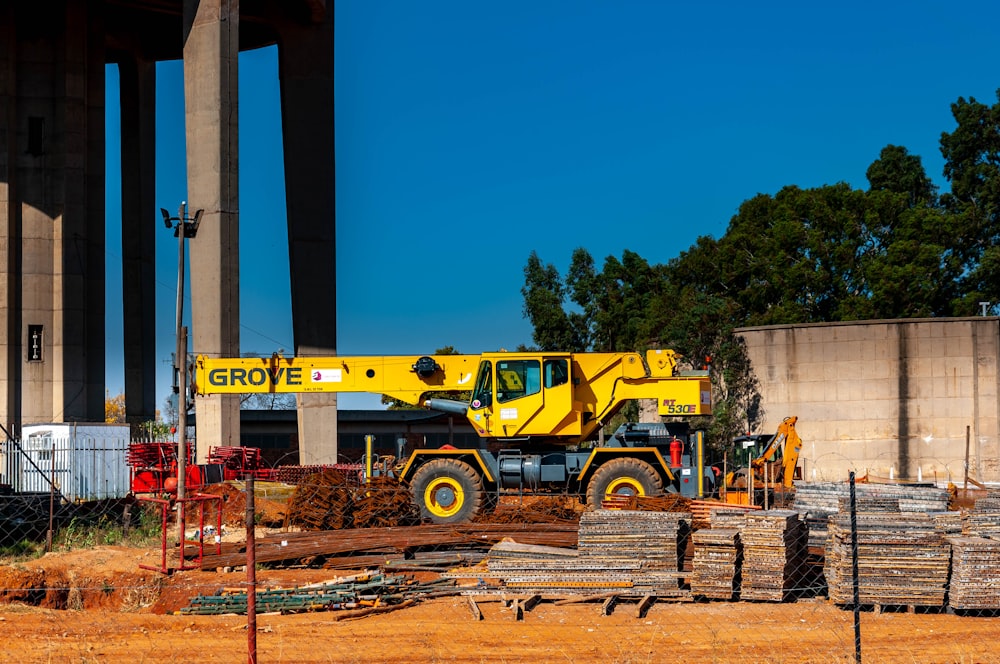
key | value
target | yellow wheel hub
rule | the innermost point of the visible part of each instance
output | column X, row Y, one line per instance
column 444, row 497
column 625, row 486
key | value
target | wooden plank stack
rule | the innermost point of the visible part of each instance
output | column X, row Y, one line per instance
column 774, row 555
column 903, row 559
column 975, row 573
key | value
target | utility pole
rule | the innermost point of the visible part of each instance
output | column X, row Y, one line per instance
column 184, row 227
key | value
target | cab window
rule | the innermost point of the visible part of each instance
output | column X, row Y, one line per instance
column 556, row 373
column 518, row 378
column 482, row 396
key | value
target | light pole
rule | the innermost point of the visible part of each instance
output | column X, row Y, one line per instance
column 184, row 227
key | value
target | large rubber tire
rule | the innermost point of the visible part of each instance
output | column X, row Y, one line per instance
column 447, row 491
column 624, row 477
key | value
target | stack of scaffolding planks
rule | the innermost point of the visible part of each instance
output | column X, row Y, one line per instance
column 817, row 501
column 774, row 555
column 903, row 560
column 656, row 538
column 718, row 554
column 983, row 520
column 627, row 552
column 718, row 558
column 975, row 573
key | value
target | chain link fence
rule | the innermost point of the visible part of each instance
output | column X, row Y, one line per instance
column 880, row 572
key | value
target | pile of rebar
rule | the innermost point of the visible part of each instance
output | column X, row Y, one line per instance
column 536, row 509
column 322, row 501
column 315, row 547
column 903, row 559
column 382, row 502
column 774, row 554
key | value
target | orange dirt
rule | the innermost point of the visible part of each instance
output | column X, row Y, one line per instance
column 98, row 606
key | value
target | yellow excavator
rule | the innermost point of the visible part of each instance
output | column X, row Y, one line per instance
column 537, row 415
column 766, row 467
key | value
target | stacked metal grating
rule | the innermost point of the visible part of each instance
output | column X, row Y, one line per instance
column 902, row 559
column 774, row 555
column 975, row 573
column 718, row 559
column 656, row 538
column 817, row 501
column 627, row 552
column 983, row 520
column 948, row 523
column 718, row 554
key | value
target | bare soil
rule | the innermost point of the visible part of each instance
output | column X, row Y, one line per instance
column 98, row 605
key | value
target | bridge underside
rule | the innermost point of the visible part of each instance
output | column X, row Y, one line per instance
column 52, row 190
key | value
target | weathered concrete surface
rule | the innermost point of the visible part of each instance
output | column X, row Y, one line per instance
column 885, row 397
column 52, row 216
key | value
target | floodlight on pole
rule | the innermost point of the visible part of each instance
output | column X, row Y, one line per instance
column 184, row 227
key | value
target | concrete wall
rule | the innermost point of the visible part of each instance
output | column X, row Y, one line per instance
column 885, row 397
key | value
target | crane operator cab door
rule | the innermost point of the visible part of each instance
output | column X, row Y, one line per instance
column 524, row 396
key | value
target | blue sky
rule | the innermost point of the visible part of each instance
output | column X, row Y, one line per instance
column 470, row 134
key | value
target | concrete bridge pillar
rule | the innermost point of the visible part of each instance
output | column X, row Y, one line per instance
column 211, row 54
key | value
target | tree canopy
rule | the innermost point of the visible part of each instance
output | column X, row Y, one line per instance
column 897, row 249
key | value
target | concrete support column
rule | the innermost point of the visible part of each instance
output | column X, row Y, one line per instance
column 305, row 61
column 54, row 213
column 139, row 223
column 211, row 51
column 92, row 262
column 10, row 229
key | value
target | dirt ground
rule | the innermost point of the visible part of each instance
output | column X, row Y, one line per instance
column 98, row 605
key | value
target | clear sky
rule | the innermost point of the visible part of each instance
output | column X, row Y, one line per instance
column 471, row 133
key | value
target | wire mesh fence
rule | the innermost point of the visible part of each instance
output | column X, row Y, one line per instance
column 903, row 576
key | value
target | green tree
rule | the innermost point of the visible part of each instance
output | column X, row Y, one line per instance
column 544, row 296
column 897, row 171
column 972, row 166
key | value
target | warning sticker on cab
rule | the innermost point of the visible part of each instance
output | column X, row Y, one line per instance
column 327, row 375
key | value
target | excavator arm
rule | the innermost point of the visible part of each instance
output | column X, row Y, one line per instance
column 786, row 439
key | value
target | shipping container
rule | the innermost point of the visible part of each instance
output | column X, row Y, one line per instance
column 84, row 461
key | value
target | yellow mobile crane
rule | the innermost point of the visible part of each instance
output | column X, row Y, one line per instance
column 532, row 411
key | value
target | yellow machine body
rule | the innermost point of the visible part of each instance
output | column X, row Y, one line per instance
column 558, row 397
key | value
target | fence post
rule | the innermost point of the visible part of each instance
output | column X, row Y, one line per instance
column 854, row 571
column 251, row 574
